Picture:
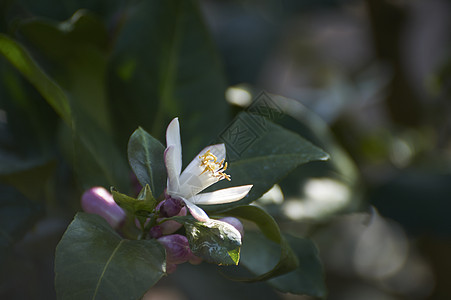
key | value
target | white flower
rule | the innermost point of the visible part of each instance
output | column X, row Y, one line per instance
column 204, row 170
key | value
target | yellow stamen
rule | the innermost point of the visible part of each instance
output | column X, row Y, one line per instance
column 212, row 166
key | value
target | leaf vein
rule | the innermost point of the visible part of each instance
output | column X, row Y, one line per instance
column 105, row 268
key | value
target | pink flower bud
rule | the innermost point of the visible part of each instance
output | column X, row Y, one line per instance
column 235, row 223
column 99, row 201
column 177, row 248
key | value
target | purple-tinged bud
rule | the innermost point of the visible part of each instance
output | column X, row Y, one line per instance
column 235, row 223
column 170, row 207
column 99, row 201
column 170, row 226
column 156, row 232
column 177, row 248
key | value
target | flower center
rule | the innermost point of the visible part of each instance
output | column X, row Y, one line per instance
column 212, row 166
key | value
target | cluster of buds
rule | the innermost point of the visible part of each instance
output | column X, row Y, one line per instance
column 98, row 200
column 176, row 245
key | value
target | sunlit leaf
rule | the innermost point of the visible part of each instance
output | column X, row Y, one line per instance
column 214, row 241
column 94, row 262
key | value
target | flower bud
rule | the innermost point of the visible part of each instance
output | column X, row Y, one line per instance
column 170, row 226
column 177, row 248
column 99, row 201
column 170, row 207
column 235, row 223
column 156, row 232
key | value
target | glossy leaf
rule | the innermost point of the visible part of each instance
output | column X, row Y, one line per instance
column 284, row 259
column 145, row 155
column 94, row 262
column 214, row 241
column 142, row 206
column 261, row 153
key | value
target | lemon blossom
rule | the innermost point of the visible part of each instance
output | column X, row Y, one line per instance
column 204, row 170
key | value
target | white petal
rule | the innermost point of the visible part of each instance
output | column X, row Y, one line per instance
column 173, row 139
column 192, row 181
column 173, row 177
column 222, row 196
column 197, row 212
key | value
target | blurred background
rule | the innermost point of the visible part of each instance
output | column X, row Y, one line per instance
column 367, row 80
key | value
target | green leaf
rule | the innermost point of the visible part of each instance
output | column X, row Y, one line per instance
column 146, row 157
column 74, row 54
column 22, row 60
column 260, row 217
column 164, row 60
column 261, row 153
column 142, row 206
column 215, row 241
column 94, row 262
column 308, row 278
column 258, row 253
column 31, row 181
column 37, row 123
column 283, row 261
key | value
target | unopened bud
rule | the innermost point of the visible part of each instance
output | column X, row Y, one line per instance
column 99, row 201
column 235, row 223
column 156, row 232
column 171, row 226
column 177, row 248
column 170, row 207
